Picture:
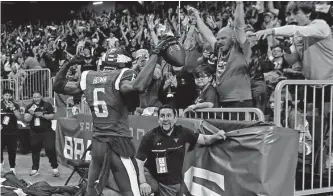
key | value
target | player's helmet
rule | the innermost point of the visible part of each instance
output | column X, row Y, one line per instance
column 115, row 59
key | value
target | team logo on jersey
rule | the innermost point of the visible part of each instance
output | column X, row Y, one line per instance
column 176, row 139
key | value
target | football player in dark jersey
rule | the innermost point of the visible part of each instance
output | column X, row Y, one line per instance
column 108, row 93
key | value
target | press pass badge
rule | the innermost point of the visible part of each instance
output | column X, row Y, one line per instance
column 5, row 120
column 161, row 165
column 37, row 122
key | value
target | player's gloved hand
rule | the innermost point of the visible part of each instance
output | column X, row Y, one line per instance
column 164, row 43
column 77, row 60
column 171, row 50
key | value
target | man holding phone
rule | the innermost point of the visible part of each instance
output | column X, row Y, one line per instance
column 39, row 114
column 9, row 116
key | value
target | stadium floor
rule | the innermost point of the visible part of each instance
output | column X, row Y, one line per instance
column 23, row 168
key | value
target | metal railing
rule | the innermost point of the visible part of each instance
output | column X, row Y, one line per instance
column 311, row 112
column 9, row 84
column 72, row 109
column 247, row 114
column 51, row 86
column 36, row 80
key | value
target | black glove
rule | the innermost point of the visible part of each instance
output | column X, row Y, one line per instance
column 164, row 43
column 77, row 60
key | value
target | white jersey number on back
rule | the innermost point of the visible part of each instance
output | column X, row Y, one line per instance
column 97, row 103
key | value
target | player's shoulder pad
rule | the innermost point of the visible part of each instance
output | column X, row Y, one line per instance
column 318, row 21
column 125, row 74
column 103, row 56
column 129, row 74
column 83, row 81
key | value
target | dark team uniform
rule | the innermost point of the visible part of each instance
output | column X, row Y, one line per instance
column 111, row 135
column 108, row 107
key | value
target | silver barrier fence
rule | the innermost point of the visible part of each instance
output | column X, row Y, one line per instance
column 35, row 80
column 9, row 84
column 249, row 114
column 240, row 114
column 307, row 106
column 51, row 86
column 73, row 109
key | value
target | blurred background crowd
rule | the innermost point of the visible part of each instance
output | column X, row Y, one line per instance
column 48, row 40
column 136, row 28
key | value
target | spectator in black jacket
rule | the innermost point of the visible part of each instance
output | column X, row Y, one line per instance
column 178, row 88
column 39, row 114
column 9, row 116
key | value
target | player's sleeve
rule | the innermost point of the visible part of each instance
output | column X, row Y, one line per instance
column 99, row 63
column 83, row 81
column 125, row 74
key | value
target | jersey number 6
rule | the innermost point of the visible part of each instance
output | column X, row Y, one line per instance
column 101, row 103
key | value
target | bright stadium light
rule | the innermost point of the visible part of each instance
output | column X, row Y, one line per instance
column 98, row 3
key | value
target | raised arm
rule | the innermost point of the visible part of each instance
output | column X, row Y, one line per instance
column 189, row 37
column 141, row 82
column 239, row 23
column 129, row 22
column 317, row 29
column 139, row 35
column 124, row 34
column 271, row 8
column 62, row 85
column 69, row 28
column 151, row 29
column 202, row 27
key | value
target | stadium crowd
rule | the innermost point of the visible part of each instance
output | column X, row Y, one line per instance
column 271, row 60
column 49, row 44
column 36, row 45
